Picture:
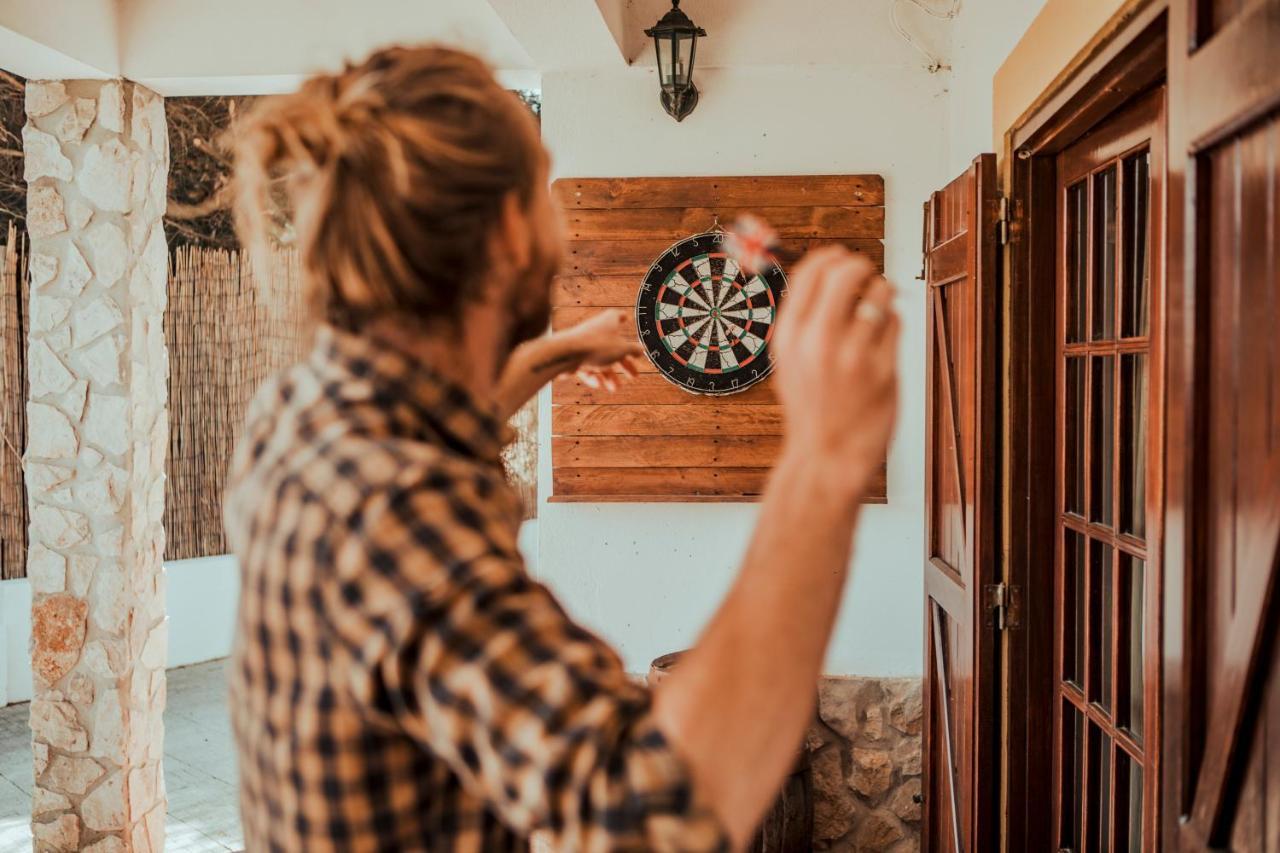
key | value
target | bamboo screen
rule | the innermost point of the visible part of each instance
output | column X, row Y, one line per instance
column 13, row 420
column 226, row 334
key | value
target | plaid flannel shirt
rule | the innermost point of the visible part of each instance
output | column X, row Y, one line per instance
column 399, row 682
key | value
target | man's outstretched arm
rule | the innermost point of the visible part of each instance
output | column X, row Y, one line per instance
column 737, row 706
column 598, row 350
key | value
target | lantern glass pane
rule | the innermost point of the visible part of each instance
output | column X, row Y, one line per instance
column 684, row 60
column 665, row 65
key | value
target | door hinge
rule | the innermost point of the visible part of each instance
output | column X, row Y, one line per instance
column 1003, row 605
column 1002, row 222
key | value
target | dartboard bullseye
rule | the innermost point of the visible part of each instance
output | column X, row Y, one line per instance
column 705, row 323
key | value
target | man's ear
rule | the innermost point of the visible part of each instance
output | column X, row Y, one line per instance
column 515, row 231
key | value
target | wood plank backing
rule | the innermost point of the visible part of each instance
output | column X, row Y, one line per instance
column 651, row 389
column 659, row 481
column 647, row 451
column 689, row 419
column 590, row 289
column 650, row 440
column 641, row 485
column 634, row 257
column 771, row 191
column 567, row 317
column 674, row 223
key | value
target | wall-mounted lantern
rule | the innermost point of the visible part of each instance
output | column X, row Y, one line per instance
column 675, row 38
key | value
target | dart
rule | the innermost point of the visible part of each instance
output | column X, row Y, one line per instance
column 751, row 241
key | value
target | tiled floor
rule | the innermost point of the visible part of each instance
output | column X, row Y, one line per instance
column 199, row 767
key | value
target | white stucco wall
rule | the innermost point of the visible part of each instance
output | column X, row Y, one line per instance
column 981, row 37
column 648, row 576
column 200, row 600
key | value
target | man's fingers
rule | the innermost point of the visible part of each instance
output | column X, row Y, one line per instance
column 843, row 284
column 871, row 316
column 806, row 285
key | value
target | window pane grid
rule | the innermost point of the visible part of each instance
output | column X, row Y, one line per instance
column 1102, row 297
column 1071, row 694
column 1102, row 549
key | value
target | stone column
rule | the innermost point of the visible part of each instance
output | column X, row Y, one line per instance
column 96, row 159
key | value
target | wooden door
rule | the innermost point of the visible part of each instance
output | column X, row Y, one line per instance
column 961, row 707
column 1222, row 666
column 1107, row 482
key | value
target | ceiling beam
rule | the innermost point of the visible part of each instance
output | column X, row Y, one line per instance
column 60, row 39
column 566, row 34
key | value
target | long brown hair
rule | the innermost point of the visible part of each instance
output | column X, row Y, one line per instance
column 391, row 174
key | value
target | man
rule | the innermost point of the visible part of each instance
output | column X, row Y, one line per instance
column 399, row 681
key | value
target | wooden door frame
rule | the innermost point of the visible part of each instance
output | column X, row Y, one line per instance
column 1127, row 60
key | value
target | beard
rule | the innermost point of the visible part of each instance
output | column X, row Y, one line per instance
column 530, row 300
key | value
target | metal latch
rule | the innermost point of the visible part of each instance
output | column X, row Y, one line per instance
column 1002, row 222
column 1003, row 605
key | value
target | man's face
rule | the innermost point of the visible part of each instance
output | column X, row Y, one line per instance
column 530, row 297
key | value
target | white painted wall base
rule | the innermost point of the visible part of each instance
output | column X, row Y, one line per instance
column 200, row 600
column 201, row 605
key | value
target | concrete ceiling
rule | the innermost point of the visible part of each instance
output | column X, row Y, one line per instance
column 254, row 46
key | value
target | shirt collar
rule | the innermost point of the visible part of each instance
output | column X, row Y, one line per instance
column 415, row 398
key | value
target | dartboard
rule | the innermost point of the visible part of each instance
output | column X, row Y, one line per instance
column 705, row 323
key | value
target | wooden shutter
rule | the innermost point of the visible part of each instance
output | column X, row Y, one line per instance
column 961, row 493
column 1221, row 666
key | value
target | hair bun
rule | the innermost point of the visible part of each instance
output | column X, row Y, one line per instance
column 392, row 174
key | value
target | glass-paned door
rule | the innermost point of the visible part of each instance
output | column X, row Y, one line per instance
column 1107, row 351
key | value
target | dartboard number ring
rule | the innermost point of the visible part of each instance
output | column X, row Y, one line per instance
column 704, row 322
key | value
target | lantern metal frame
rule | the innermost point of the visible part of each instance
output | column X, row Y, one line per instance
column 678, row 98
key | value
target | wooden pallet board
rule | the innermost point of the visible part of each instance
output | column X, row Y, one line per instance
column 651, row 440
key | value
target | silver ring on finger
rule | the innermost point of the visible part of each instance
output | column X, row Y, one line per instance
column 869, row 312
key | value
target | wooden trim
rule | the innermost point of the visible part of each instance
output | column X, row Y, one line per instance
column 1129, row 130
column 1108, row 71
column 1028, row 502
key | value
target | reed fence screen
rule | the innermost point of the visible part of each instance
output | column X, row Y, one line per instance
column 13, row 407
column 227, row 332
